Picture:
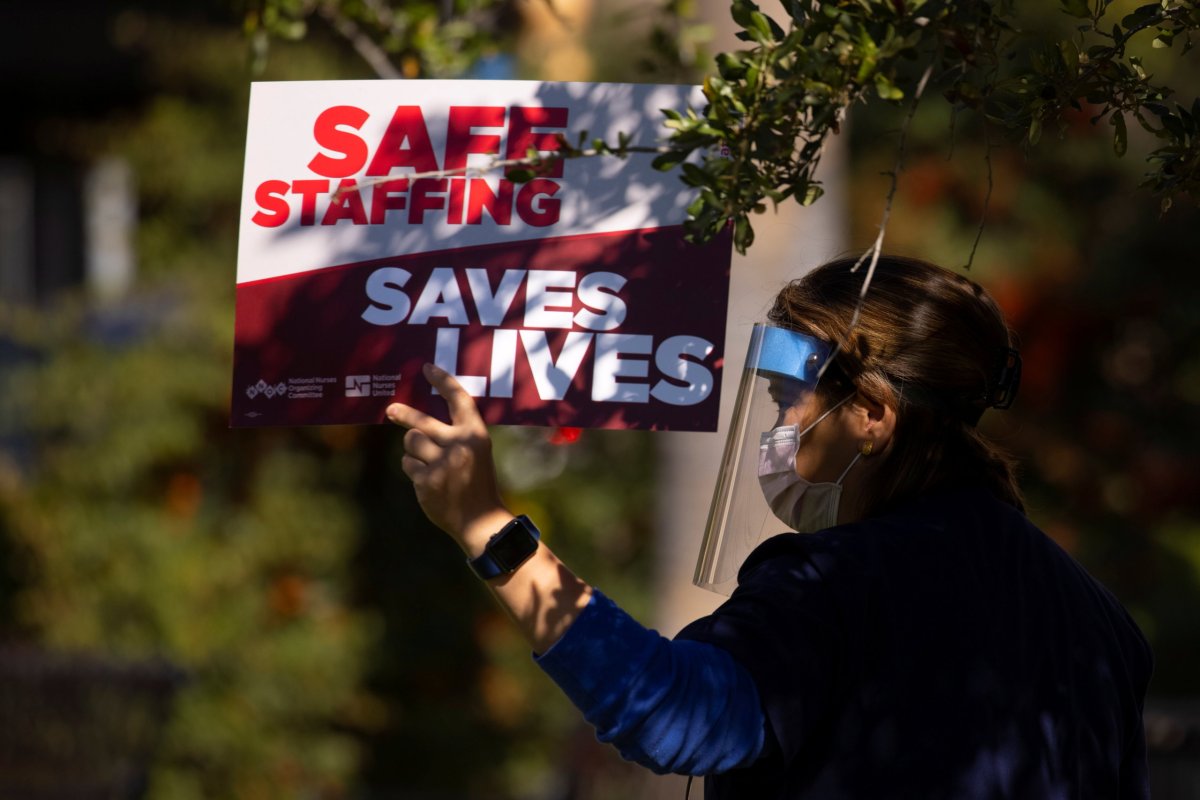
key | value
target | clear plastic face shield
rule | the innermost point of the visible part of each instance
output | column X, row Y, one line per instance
column 758, row 467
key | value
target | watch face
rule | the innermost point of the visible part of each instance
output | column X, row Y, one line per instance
column 513, row 546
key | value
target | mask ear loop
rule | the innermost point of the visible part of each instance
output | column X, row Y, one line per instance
column 832, row 409
column 846, row 471
column 857, row 455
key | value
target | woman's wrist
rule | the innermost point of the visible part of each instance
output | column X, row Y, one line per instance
column 476, row 533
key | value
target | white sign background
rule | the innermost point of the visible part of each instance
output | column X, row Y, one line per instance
column 601, row 194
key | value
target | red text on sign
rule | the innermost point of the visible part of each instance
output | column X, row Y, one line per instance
column 474, row 135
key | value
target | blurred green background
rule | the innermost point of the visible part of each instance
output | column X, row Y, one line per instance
column 276, row 599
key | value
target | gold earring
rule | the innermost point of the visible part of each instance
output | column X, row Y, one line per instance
column 867, row 447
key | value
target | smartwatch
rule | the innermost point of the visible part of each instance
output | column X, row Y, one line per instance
column 507, row 550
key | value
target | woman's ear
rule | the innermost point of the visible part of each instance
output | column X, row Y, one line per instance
column 874, row 423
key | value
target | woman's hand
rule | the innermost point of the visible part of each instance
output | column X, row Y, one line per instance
column 451, row 465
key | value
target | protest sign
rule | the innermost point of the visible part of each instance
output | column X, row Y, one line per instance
column 372, row 243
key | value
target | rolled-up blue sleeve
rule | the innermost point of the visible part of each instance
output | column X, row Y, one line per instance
column 674, row 706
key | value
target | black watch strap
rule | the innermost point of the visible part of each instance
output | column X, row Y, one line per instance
column 507, row 550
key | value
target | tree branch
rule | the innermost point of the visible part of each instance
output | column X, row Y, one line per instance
column 876, row 249
column 375, row 56
column 987, row 198
column 533, row 162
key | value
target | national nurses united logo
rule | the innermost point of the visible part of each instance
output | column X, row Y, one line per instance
column 375, row 385
column 266, row 389
column 358, row 386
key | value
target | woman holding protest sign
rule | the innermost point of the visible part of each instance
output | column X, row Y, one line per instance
column 923, row 640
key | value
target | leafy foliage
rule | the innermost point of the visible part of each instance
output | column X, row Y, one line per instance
column 141, row 525
column 773, row 105
column 412, row 39
column 152, row 531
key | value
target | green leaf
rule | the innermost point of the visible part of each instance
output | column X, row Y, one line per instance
column 1120, row 135
column 760, row 26
column 1076, row 8
column 1174, row 126
column 521, row 175
column 694, row 175
column 741, row 10
column 1037, row 60
column 777, row 31
column 886, row 89
column 1035, row 130
column 731, row 66
column 1070, row 56
column 668, row 161
column 1141, row 15
column 743, row 234
column 812, row 193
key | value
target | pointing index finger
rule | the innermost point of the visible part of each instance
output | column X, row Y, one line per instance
column 409, row 417
column 462, row 407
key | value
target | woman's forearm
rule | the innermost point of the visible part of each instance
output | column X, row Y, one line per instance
column 542, row 596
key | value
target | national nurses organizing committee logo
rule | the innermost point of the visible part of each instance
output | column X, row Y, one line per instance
column 358, row 386
column 265, row 389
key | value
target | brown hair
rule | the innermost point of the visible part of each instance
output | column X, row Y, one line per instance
column 930, row 344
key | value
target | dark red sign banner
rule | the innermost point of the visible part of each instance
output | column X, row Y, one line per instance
column 619, row 330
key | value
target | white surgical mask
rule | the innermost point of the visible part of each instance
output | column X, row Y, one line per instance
column 800, row 504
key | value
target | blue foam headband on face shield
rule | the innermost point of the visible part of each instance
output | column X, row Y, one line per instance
column 791, row 354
